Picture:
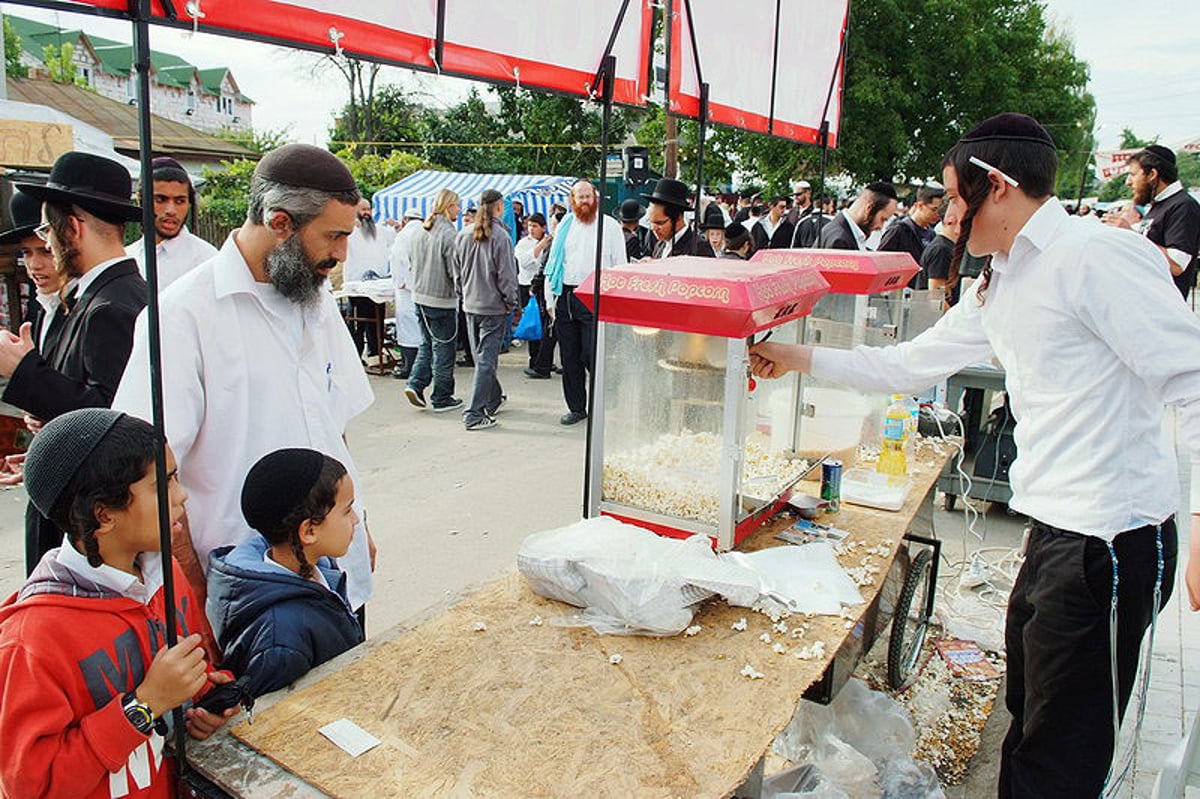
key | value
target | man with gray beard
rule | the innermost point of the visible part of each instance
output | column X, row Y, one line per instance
column 256, row 356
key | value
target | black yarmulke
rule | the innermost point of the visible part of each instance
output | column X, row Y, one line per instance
column 1009, row 127
column 58, row 451
column 278, row 484
column 1165, row 154
column 306, row 167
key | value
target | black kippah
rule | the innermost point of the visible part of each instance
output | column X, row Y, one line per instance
column 1009, row 127
column 278, row 484
column 1165, row 154
column 307, row 167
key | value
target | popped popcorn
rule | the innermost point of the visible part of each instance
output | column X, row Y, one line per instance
column 751, row 672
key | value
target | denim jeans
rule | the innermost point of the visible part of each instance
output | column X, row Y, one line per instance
column 435, row 356
column 487, row 334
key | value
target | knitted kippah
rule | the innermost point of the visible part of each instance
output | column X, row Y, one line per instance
column 1009, row 127
column 278, row 484
column 60, row 449
column 306, row 167
column 1165, row 154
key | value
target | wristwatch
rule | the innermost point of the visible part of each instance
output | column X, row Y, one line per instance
column 138, row 713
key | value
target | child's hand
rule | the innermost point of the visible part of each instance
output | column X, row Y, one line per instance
column 175, row 675
column 200, row 722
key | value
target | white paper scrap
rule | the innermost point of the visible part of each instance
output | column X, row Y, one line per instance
column 349, row 737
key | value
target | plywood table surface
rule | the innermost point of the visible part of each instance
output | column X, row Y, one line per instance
column 477, row 701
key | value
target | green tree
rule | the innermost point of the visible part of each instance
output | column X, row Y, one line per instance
column 373, row 171
column 60, row 63
column 395, row 118
column 260, row 141
column 13, row 67
column 226, row 191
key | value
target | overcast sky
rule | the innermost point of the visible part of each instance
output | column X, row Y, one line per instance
column 1145, row 68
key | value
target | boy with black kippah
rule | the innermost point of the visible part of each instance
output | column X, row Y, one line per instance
column 1090, row 367
column 85, row 675
column 277, row 602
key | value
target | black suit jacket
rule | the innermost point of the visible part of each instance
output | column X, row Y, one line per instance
column 84, row 367
column 837, row 235
column 37, row 318
column 780, row 239
column 689, row 244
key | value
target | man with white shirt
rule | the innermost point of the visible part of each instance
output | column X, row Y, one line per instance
column 774, row 231
column 849, row 229
column 1173, row 221
column 668, row 223
column 176, row 249
column 367, row 253
column 572, row 259
column 45, row 316
column 84, row 207
column 1090, row 367
column 256, row 357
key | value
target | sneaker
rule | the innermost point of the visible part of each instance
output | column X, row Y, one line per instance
column 503, row 401
column 574, row 417
column 399, row 372
column 482, row 423
column 454, row 404
column 417, row 398
column 535, row 374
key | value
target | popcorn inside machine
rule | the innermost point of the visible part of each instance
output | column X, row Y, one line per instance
column 683, row 440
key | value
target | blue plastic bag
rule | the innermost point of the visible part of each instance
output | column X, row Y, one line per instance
column 530, row 326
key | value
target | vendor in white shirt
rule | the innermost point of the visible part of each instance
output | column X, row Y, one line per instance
column 256, row 356
column 177, row 250
column 1090, row 366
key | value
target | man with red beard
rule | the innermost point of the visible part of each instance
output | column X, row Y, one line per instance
column 256, row 357
column 572, row 259
column 84, row 208
column 177, row 250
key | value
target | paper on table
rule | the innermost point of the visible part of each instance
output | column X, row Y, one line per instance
column 350, row 737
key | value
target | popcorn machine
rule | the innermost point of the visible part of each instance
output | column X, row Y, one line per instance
column 682, row 442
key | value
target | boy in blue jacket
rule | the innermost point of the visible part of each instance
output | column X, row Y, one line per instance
column 277, row 602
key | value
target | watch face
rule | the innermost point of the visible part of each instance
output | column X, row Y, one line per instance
column 139, row 715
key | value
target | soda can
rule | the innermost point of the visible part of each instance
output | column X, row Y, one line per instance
column 831, row 484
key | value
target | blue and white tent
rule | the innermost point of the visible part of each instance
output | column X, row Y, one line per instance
column 536, row 192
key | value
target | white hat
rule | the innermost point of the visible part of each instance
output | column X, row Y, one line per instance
column 414, row 213
column 801, row 184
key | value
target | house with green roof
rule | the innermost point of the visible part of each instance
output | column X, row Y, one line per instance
column 208, row 100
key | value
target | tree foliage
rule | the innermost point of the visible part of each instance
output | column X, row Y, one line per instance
column 225, row 194
column 60, row 63
column 13, row 67
column 373, row 172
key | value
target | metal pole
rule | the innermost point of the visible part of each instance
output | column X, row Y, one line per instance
column 1087, row 157
column 609, row 72
column 141, row 55
column 700, row 156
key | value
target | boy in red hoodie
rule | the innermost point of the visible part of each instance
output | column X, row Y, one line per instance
column 85, row 675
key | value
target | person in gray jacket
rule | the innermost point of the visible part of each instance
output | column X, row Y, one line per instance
column 485, row 276
column 431, row 278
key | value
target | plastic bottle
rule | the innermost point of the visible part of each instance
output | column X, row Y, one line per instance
column 910, row 428
column 892, row 459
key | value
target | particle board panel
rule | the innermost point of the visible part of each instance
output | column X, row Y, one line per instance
column 521, row 709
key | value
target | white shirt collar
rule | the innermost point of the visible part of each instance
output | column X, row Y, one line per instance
column 1168, row 192
column 90, row 276
column 318, row 576
column 123, row 583
column 49, row 302
column 860, row 235
column 1037, row 233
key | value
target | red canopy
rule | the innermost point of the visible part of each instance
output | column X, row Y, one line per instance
column 848, row 271
column 714, row 296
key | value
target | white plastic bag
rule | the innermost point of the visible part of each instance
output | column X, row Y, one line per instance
column 807, row 579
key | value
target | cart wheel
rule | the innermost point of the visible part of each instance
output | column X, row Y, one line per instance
column 949, row 504
column 910, row 621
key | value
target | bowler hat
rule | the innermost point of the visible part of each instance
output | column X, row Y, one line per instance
column 736, row 235
column 713, row 218
column 631, row 211
column 670, row 192
column 97, row 185
column 26, row 216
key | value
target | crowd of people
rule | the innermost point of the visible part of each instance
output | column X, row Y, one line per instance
column 261, row 373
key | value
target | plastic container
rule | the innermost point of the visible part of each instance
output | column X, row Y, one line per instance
column 892, row 457
column 875, row 490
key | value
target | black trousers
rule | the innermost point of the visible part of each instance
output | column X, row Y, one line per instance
column 576, row 329
column 41, row 536
column 364, row 308
column 541, row 353
column 1060, row 690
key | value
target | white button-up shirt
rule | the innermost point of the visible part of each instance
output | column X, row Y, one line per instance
column 1095, row 341
column 51, row 304
column 365, row 254
column 247, row 372
column 175, row 257
column 112, row 578
column 579, row 258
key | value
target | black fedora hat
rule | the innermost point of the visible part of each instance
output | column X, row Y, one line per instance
column 26, row 216
column 713, row 218
column 630, row 211
column 670, row 192
column 97, row 185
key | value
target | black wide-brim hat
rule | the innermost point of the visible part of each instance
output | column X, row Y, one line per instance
column 630, row 211
column 26, row 215
column 97, row 185
column 713, row 218
column 670, row 192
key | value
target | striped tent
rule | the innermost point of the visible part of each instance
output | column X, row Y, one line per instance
column 536, row 192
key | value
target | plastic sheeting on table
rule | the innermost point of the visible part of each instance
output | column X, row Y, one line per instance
column 806, row 579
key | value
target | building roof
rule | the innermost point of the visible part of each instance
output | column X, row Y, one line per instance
column 116, row 58
column 120, row 120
